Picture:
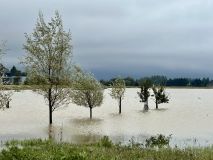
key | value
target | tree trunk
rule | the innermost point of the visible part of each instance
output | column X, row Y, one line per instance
column 90, row 112
column 50, row 115
column 120, row 105
column 8, row 104
column 156, row 103
column 146, row 107
column 50, row 106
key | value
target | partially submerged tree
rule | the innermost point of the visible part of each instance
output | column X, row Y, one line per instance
column 117, row 91
column 48, row 61
column 5, row 98
column 160, row 95
column 144, row 94
column 86, row 90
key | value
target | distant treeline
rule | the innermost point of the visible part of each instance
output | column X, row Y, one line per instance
column 163, row 80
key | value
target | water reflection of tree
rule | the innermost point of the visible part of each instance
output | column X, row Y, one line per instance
column 55, row 133
column 51, row 132
column 59, row 134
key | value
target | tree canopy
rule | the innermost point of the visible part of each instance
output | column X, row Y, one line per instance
column 117, row 91
column 160, row 95
column 86, row 90
column 5, row 96
column 48, row 60
column 144, row 94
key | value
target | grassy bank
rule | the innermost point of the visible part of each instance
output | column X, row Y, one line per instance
column 103, row 150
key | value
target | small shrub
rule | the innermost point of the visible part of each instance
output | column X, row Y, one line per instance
column 133, row 143
column 158, row 141
column 105, row 142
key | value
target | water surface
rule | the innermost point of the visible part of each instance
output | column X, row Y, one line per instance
column 188, row 117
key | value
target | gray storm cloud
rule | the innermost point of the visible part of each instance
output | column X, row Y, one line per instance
column 120, row 37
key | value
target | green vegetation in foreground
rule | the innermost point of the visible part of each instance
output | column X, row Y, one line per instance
column 103, row 150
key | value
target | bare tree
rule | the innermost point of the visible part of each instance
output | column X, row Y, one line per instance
column 160, row 95
column 117, row 91
column 48, row 61
column 86, row 90
column 144, row 93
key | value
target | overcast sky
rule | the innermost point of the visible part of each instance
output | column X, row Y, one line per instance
column 122, row 37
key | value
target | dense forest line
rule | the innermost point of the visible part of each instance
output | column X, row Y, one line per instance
column 130, row 81
column 163, row 80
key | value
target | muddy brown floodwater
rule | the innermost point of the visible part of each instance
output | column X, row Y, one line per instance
column 188, row 117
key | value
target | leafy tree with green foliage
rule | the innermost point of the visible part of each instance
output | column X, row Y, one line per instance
column 117, row 91
column 48, row 61
column 15, row 72
column 160, row 95
column 5, row 96
column 144, row 94
column 86, row 90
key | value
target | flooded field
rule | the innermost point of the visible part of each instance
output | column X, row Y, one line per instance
column 188, row 117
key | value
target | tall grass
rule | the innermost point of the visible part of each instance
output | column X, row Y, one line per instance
column 103, row 150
